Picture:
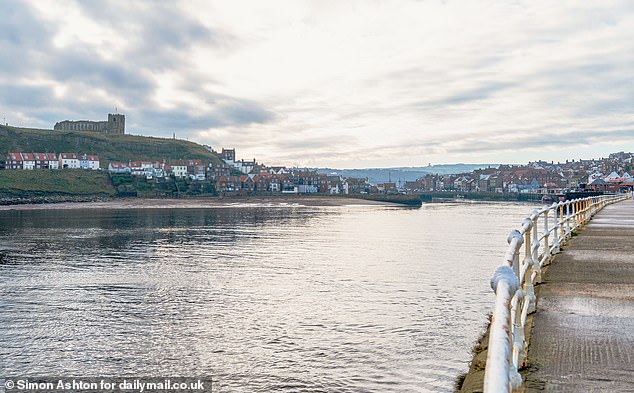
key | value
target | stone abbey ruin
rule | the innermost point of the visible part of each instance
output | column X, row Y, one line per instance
column 114, row 125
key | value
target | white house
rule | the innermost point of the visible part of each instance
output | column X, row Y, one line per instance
column 137, row 168
column 28, row 161
column 118, row 167
column 244, row 166
column 53, row 162
column 14, row 161
column 68, row 160
column 45, row 161
column 179, row 170
column 146, row 168
column 89, row 162
column 20, row 161
column 307, row 189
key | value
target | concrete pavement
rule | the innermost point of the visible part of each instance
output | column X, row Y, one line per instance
column 583, row 333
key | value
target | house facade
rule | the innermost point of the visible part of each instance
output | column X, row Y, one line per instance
column 68, row 161
column 45, row 161
column 14, row 161
column 89, row 162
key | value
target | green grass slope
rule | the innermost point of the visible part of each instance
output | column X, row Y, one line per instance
column 107, row 147
column 63, row 182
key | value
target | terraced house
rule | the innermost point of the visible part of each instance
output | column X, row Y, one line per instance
column 29, row 161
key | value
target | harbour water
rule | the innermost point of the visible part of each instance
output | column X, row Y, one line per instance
column 260, row 298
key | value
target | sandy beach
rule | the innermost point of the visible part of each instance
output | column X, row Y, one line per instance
column 198, row 203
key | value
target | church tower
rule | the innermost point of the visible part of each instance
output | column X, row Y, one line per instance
column 116, row 124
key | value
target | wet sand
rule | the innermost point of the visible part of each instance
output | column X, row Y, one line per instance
column 198, row 203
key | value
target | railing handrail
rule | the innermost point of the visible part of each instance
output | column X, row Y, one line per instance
column 514, row 279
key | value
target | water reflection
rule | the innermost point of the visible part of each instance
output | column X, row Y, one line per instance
column 264, row 299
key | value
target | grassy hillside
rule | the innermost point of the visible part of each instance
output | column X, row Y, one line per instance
column 107, row 147
column 63, row 181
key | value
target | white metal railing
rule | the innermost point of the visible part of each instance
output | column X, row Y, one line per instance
column 530, row 248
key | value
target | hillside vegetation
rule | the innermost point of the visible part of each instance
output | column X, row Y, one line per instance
column 107, row 147
column 39, row 182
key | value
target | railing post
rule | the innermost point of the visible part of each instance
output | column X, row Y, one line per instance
column 568, row 218
column 499, row 376
column 588, row 215
column 534, row 249
column 562, row 221
column 556, row 228
column 532, row 263
column 546, row 250
column 528, row 254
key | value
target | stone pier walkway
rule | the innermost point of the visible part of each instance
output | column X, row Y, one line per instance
column 583, row 333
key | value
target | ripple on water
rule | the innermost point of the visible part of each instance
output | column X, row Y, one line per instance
column 288, row 299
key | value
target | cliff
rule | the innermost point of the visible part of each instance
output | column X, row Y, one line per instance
column 107, row 146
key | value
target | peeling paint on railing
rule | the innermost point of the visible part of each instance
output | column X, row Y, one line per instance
column 513, row 283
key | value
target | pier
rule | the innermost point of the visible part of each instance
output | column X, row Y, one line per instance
column 566, row 287
column 583, row 329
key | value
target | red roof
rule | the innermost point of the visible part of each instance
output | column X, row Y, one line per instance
column 44, row 156
column 15, row 157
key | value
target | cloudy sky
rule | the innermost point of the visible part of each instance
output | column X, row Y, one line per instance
column 333, row 83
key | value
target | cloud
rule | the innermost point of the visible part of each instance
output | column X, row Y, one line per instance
column 87, row 67
column 483, row 92
column 22, row 37
column 25, row 96
column 340, row 84
column 225, row 113
column 242, row 112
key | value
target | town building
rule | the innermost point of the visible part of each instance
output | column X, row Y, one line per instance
column 119, row 167
column 89, row 162
column 68, row 161
column 178, row 169
column 228, row 155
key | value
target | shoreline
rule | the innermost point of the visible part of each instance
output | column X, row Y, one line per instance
column 201, row 203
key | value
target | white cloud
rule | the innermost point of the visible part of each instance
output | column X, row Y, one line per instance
column 355, row 83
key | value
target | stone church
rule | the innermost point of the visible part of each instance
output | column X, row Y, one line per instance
column 114, row 125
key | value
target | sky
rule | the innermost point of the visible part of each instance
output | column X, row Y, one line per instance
column 340, row 84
